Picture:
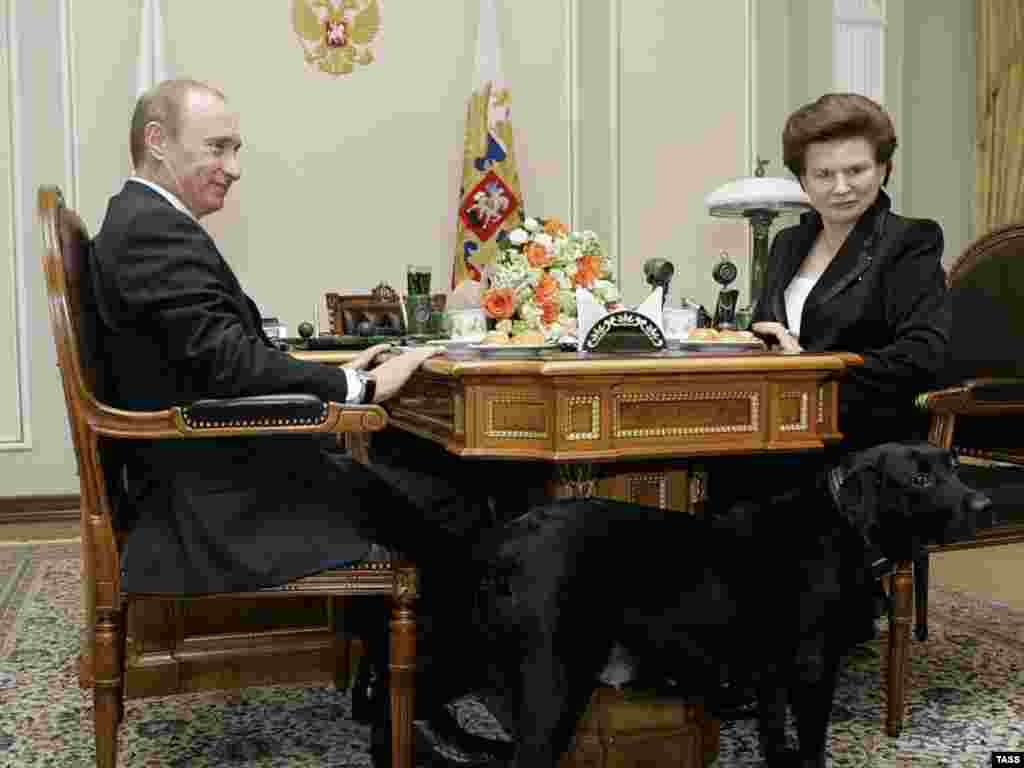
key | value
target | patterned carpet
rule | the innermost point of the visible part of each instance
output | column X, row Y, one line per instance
column 966, row 694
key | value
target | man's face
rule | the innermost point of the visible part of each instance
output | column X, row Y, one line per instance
column 842, row 178
column 203, row 161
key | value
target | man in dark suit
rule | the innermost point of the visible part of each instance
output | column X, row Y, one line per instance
column 175, row 326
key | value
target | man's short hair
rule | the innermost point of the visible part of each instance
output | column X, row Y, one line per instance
column 164, row 104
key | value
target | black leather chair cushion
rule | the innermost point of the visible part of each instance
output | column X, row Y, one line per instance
column 259, row 411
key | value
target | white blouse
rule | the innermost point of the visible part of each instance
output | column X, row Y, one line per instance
column 796, row 294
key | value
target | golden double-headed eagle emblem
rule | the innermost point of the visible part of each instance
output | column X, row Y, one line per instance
column 336, row 34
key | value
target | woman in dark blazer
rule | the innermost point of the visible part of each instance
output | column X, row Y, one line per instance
column 853, row 276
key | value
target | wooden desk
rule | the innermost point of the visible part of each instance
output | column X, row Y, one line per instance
column 644, row 417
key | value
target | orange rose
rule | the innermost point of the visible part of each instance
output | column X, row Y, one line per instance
column 546, row 290
column 538, row 255
column 555, row 228
column 550, row 312
column 499, row 303
column 587, row 272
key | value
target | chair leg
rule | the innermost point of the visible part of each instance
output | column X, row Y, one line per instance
column 899, row 643
column 107, row 686
column 921, row 595
column 403, row 683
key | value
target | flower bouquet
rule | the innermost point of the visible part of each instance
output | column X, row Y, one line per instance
column 539, row 266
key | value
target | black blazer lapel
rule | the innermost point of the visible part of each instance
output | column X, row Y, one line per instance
column 854, row 258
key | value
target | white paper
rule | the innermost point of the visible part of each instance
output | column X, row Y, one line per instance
column 651, row 308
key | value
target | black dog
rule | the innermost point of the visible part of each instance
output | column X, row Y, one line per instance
column 763, row 595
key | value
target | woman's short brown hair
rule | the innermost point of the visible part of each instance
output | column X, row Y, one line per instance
column 838, row 116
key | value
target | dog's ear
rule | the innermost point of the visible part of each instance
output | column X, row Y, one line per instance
column 853, row 485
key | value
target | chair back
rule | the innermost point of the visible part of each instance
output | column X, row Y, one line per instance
column 988, row 323
column 988, row 316
column 66, row 250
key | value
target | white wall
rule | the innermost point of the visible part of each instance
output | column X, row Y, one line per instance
column 626, row 114
column 39, row 460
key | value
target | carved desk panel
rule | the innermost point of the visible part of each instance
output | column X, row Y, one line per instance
column 569, row 408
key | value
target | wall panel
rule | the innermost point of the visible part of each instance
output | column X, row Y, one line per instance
column 13, row 427
column 684, row 130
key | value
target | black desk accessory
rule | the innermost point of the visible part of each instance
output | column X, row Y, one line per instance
column 658, row 274
column 725, row 308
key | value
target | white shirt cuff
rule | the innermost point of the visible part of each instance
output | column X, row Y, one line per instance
column 355, row 387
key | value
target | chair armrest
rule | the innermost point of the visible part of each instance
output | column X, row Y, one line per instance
column 978, row 396
column 238, row 417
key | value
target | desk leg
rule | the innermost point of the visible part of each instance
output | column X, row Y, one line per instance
column 899, row 643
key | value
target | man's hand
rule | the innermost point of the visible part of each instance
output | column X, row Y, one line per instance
column 783, row 338
column 392, row 374
column 367, row 357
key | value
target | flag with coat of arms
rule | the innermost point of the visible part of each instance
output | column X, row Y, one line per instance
column 489, row 197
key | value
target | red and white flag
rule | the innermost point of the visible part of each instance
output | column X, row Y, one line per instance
column 489, row 198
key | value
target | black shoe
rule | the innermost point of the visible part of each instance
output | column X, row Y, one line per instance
column 734, row 702
column 434, row 751
column 446, row 727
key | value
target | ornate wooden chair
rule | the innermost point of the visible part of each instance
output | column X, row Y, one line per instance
column 984, row 378
column 246, row 658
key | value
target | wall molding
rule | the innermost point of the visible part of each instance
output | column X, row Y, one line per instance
column 615, row 133
column 21, row 510
column 19, row 234
column 573, row 100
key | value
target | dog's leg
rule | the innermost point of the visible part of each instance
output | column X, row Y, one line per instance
column 812, row 708
column 771, row 715
column 555, row 696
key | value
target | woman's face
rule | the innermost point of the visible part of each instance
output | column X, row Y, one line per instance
column 841, row 178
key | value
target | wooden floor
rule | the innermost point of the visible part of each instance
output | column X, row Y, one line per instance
column 997, row 572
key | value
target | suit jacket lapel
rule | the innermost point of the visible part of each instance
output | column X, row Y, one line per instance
column 854, row 258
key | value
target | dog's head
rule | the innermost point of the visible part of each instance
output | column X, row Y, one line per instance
column 901, row 495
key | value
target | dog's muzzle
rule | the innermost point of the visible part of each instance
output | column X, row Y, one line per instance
column 976, row 512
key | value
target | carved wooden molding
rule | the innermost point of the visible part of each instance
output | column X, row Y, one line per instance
column 590, row 404
column 750, row 424
column 508, row 410
column 637, row 483
column 802, row 422
column 459, row 408
column 821, row 405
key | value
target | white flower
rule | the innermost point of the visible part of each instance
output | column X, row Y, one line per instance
column 606, row 291
column 531, row 225
column 504, row 326
column 518, row 236
column 545, row 240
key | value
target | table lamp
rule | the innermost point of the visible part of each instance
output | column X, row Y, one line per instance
column 759, row 199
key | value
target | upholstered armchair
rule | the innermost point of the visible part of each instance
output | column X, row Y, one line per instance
column 249, row 659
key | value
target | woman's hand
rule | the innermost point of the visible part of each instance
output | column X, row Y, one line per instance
column 785, row 341
column 392, row 374
column 367, row 357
